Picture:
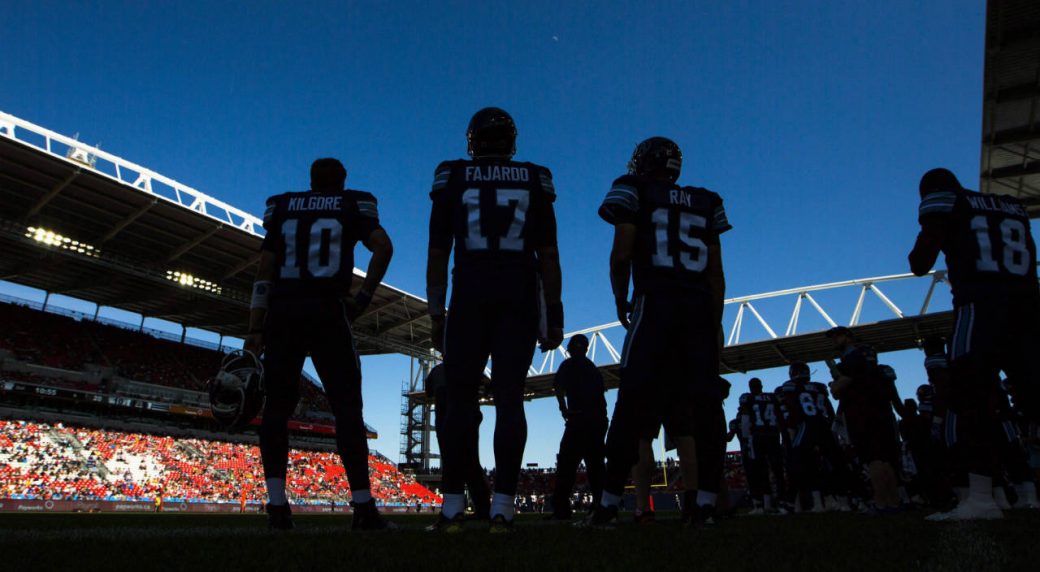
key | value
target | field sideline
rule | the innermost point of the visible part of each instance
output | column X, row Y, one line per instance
column 323, row 542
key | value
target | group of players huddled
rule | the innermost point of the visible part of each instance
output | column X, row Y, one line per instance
column 497, row 216
column 800, row 454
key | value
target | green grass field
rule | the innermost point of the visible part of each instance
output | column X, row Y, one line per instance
column 117, row 542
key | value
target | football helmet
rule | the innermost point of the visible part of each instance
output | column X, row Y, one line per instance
column 236, row 393
column 925, row 393
column 656, row 155
column 799, row 371
column 491, row 133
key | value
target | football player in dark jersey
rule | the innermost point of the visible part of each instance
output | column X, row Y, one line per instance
column 760, row 419
column 666, row 240
column 498, row 214
column 302, row 303
column 991, row 261
column 816, row 463
column 867, row 397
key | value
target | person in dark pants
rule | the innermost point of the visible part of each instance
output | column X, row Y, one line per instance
column 302, row 304
column 476, row 480
column 867, row 395
column 760, row 421
column 579, row 389
column 497, row 216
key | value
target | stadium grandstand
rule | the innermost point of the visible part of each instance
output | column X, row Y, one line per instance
column 100, row 410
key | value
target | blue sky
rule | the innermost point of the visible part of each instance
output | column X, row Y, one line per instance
column 813, row 120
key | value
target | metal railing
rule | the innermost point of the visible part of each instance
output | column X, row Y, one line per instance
column 746, row 311
column 145, row 180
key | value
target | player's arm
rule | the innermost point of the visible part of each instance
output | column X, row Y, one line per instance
column 933, row 214
column 382, row 249
column 558, row 383
column 438, row 256
column 548, row 254
column 621, row 268
column 927, row 247
column 552, row 289
column 265, row 275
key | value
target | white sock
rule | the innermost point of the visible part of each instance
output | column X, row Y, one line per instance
column 276, row 492
column 1000, row 497
column 609, row 499
column 767, row 502
column 453, row 504
column 362, row 496
column 1026, row 493
column 503, row 504
column 705, row 498
column 817, row 500
column 980, row 489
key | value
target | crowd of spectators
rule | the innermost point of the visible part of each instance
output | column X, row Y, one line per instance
column 63, row 342
column 52, row 462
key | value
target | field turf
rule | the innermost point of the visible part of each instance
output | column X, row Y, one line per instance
column 208, row 543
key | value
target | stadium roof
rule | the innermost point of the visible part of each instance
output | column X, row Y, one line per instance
column 1011, row 101
column 80, row 222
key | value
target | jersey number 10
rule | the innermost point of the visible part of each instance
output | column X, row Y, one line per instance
column 323, row 234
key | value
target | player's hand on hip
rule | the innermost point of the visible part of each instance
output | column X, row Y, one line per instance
column 624, row 310
column 355, row 305
column 437, row 333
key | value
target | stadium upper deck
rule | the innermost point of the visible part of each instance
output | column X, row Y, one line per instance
column 1011, row 101
column 77, row 221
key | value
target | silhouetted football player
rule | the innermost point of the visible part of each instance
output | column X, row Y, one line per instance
column 498, row 214
column 302, row 303
column 579, row 390
column 760, row 419
column 666, row 239
column 867, row 395
column 991, row 263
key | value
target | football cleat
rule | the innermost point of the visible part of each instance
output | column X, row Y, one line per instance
column 279, row 517
column 236, row 393
column 602, row 517
column 969, row 510
column 656, row 155
column 501, row 525
column 366, row 517
column 491, row 133
column 644, row 517
column 447, row 525
column 699, row 517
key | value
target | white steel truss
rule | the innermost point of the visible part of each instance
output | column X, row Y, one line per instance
column 84, row 156
column 746, row 307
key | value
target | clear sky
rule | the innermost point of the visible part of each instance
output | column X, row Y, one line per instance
column 813, row 120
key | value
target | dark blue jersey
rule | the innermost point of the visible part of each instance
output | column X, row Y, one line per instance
column 990, row 253
column 675, row 225
column 495, row 211
column 582, row 385
column 806, row 401
column 313, row 236
column 763, row 410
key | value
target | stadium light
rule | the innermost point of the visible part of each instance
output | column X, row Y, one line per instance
column 51, row 238
column 189, row 281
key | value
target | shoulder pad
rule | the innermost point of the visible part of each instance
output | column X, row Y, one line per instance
column 545, row 177
column 367, row 204
column 442, row 174
column 938, row 202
